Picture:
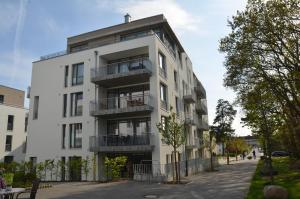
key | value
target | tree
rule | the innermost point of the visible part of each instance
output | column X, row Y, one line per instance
column 172, row 132
column 263, row 116
column 86, row 166
column 210, row 143
column 263, row 48
column 225, row 114
column 238, row 146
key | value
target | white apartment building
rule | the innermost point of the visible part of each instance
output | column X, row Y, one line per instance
column 13, row 125
column 106, row 93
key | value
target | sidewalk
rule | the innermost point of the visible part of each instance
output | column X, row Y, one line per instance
column 230, row 182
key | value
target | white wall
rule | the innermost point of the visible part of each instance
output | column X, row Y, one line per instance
column 18, row 133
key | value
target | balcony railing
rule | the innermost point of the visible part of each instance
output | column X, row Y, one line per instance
column 189, row 97
column 120, row 142
column 201, row 106
column 116, row 105
column 193, row 143
column 190, row 118
column 200, row 90
column 112, row 72
column 52, row 55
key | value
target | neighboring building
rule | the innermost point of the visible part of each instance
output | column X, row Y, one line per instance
column 251, row 141
column 13, row 125
column 106, row 93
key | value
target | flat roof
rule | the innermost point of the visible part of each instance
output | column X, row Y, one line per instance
column 11, row 88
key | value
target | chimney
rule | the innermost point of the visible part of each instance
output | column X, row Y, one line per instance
column 127, row 18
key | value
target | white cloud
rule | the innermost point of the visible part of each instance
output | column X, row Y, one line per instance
column 179, row 18
column 21, row 72
column 8, row 16
column 18, row 34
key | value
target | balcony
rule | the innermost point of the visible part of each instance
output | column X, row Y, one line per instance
column 200, row 91
column 203, row 125
column 119, row 106
column 201, row 107
column 190, row 118
column 193, row 143
column 119, row 143
column 120, row 73
column 189, row 97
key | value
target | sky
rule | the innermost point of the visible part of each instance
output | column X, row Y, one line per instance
column 33, row 28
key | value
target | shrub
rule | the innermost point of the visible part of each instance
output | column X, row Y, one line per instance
column 114, row 166
column 8, row 178
column 249, row 157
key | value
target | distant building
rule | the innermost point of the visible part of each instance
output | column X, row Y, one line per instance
column 251, row 141
column 13, row 125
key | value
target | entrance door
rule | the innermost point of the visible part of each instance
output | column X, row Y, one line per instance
column 75, row 168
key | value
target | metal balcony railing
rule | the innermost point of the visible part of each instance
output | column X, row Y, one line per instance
column 200, row 89
column 201, row 106
column 120, row 140
column 124, row 67
column 189, row 97
column 190, row 117
column 125, row 103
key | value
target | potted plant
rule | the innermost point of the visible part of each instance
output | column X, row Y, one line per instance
column 8, row 178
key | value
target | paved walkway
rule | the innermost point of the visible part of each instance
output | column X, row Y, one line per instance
column 230, row 182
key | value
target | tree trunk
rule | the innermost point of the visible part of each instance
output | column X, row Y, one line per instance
column 227, row 157
column 176, row 170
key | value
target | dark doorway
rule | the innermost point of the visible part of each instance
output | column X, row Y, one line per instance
column 75, row 168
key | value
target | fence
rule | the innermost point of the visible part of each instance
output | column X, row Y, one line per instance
column 164, row 172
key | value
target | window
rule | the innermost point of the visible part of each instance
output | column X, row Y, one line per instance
column 8, row 143
column 66, row 75
column 10, row 122
column 163, row 96
column 63, row 139
column 1, row 99
column 24, row 146
column 77, row 74
column 26, row 123
column 65, row 98
column 162, row 65
column 177, row 105
column 163, row 122
column 176, row 79
column 75, row 135
column 8, row 159
column 168, row 158
column 36, row 107
column 76, row 104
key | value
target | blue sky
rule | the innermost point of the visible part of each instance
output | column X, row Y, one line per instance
column 32, row 28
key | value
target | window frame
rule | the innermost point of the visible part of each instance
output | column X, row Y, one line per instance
column 76, row 79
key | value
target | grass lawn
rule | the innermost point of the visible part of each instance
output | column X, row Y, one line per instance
column 287, row 177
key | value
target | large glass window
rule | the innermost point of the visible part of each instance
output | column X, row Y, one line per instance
column 162, row 65
column 8, row 143
column 128, row 97
column 66, row 75
column 77, row 74
column 36, row 107
column 63, row 137
column 10, row 122
column 131, row 127
column 65, row 105
column 76, row 104
column 75, row 135
column 163, row 96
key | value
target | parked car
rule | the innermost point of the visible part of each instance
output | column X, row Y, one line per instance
column 280, row 153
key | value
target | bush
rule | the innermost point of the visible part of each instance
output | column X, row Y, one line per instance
column 249, row 157
column 114, row 166
column 23, row 180
column 8, row 178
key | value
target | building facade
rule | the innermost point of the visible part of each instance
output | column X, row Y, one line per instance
column 13, row 125
column 104, row 96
